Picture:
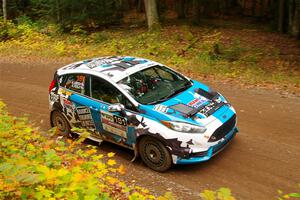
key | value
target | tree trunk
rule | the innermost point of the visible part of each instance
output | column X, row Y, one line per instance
column 291, row 14
column 196, row 11
column 261, row 8
column 281, row 16
column 4, row 10
column 57, row 5
column 152, row 15
column 253, row 8
column 294, row 15
column 180, row 8
column 140, row 6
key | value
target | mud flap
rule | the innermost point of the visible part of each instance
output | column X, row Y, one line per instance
column 99, row 143
column 136, row 153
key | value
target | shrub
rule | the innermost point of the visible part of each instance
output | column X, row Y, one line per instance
column 32, row 166
column 99, row 37
column 220, row 194
column 283, row 196
column 6, row 29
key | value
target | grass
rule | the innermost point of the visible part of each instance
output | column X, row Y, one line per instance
column 198, row 51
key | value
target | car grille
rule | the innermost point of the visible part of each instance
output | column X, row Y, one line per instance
column 199, row 154
column 220, row 146
column 223, row 130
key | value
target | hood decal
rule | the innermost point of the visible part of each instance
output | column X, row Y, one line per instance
column 197, row 105
column 161, row 108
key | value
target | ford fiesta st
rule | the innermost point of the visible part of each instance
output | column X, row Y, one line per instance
column 165, row 117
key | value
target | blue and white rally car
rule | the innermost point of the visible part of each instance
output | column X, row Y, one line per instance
column 143, row 105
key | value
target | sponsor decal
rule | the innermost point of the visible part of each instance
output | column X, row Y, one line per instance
column 120, row 120
column 197, row 102
column 68, row 108
column 161, row 108
column 64, row 92
column 54, row 97
column 85, row 117
column 206, row 136
column 193, row 102
column 210, row 108
column 101, row 61
column 72, row 66
column 60, row 91
column 68, row 103
column 114, row 124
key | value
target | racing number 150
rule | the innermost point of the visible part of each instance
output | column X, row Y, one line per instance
column 120, row 120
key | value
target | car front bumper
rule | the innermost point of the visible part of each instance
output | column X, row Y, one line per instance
column 213, row 150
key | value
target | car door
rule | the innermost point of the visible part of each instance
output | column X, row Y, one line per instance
column 112, row 125
column 75, row 101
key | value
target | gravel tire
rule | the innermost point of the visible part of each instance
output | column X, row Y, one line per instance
column 154, row 154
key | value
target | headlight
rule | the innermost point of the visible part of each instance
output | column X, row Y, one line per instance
column 184, row 127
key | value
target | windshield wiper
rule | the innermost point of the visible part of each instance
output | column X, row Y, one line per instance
column 159, row 100
column 185, row 86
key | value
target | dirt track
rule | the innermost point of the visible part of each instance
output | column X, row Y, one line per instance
column 264, row 157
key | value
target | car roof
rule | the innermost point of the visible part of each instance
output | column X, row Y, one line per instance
column 114, row 68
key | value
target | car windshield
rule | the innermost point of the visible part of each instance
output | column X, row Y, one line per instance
column 155, row 84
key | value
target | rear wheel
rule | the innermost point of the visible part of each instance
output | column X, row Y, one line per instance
column 154, row 154
column 59, row 121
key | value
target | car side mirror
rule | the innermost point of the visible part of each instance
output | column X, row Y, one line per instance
column 117, row 107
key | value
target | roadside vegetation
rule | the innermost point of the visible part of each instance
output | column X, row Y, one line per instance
column 34, row 166
column 39, row 165
column 242, row 55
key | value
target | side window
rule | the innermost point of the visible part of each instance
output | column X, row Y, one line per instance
column 76, row 83
column 104, row 91
column 61, row 80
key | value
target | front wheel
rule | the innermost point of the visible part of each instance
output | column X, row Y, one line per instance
column 154, row 154
column 59, row 121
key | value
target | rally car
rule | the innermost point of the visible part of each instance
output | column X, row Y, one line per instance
column 165, row 117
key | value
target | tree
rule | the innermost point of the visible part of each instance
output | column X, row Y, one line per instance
column 140, row 5
column 180, row 8
column 261, row 8
column 294, row 15
column 4, row 10
column 196, row 11
column 281, row 16
column 152, row 15
column 253, row 8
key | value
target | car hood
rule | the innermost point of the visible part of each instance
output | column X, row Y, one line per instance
column 197, row 99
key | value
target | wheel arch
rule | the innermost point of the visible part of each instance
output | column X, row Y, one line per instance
column 57, row 108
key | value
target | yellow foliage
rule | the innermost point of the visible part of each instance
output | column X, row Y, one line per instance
column 111, row 154
column 91, row 151
column 122, row 169
column 78, row 177
column 111, row 162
